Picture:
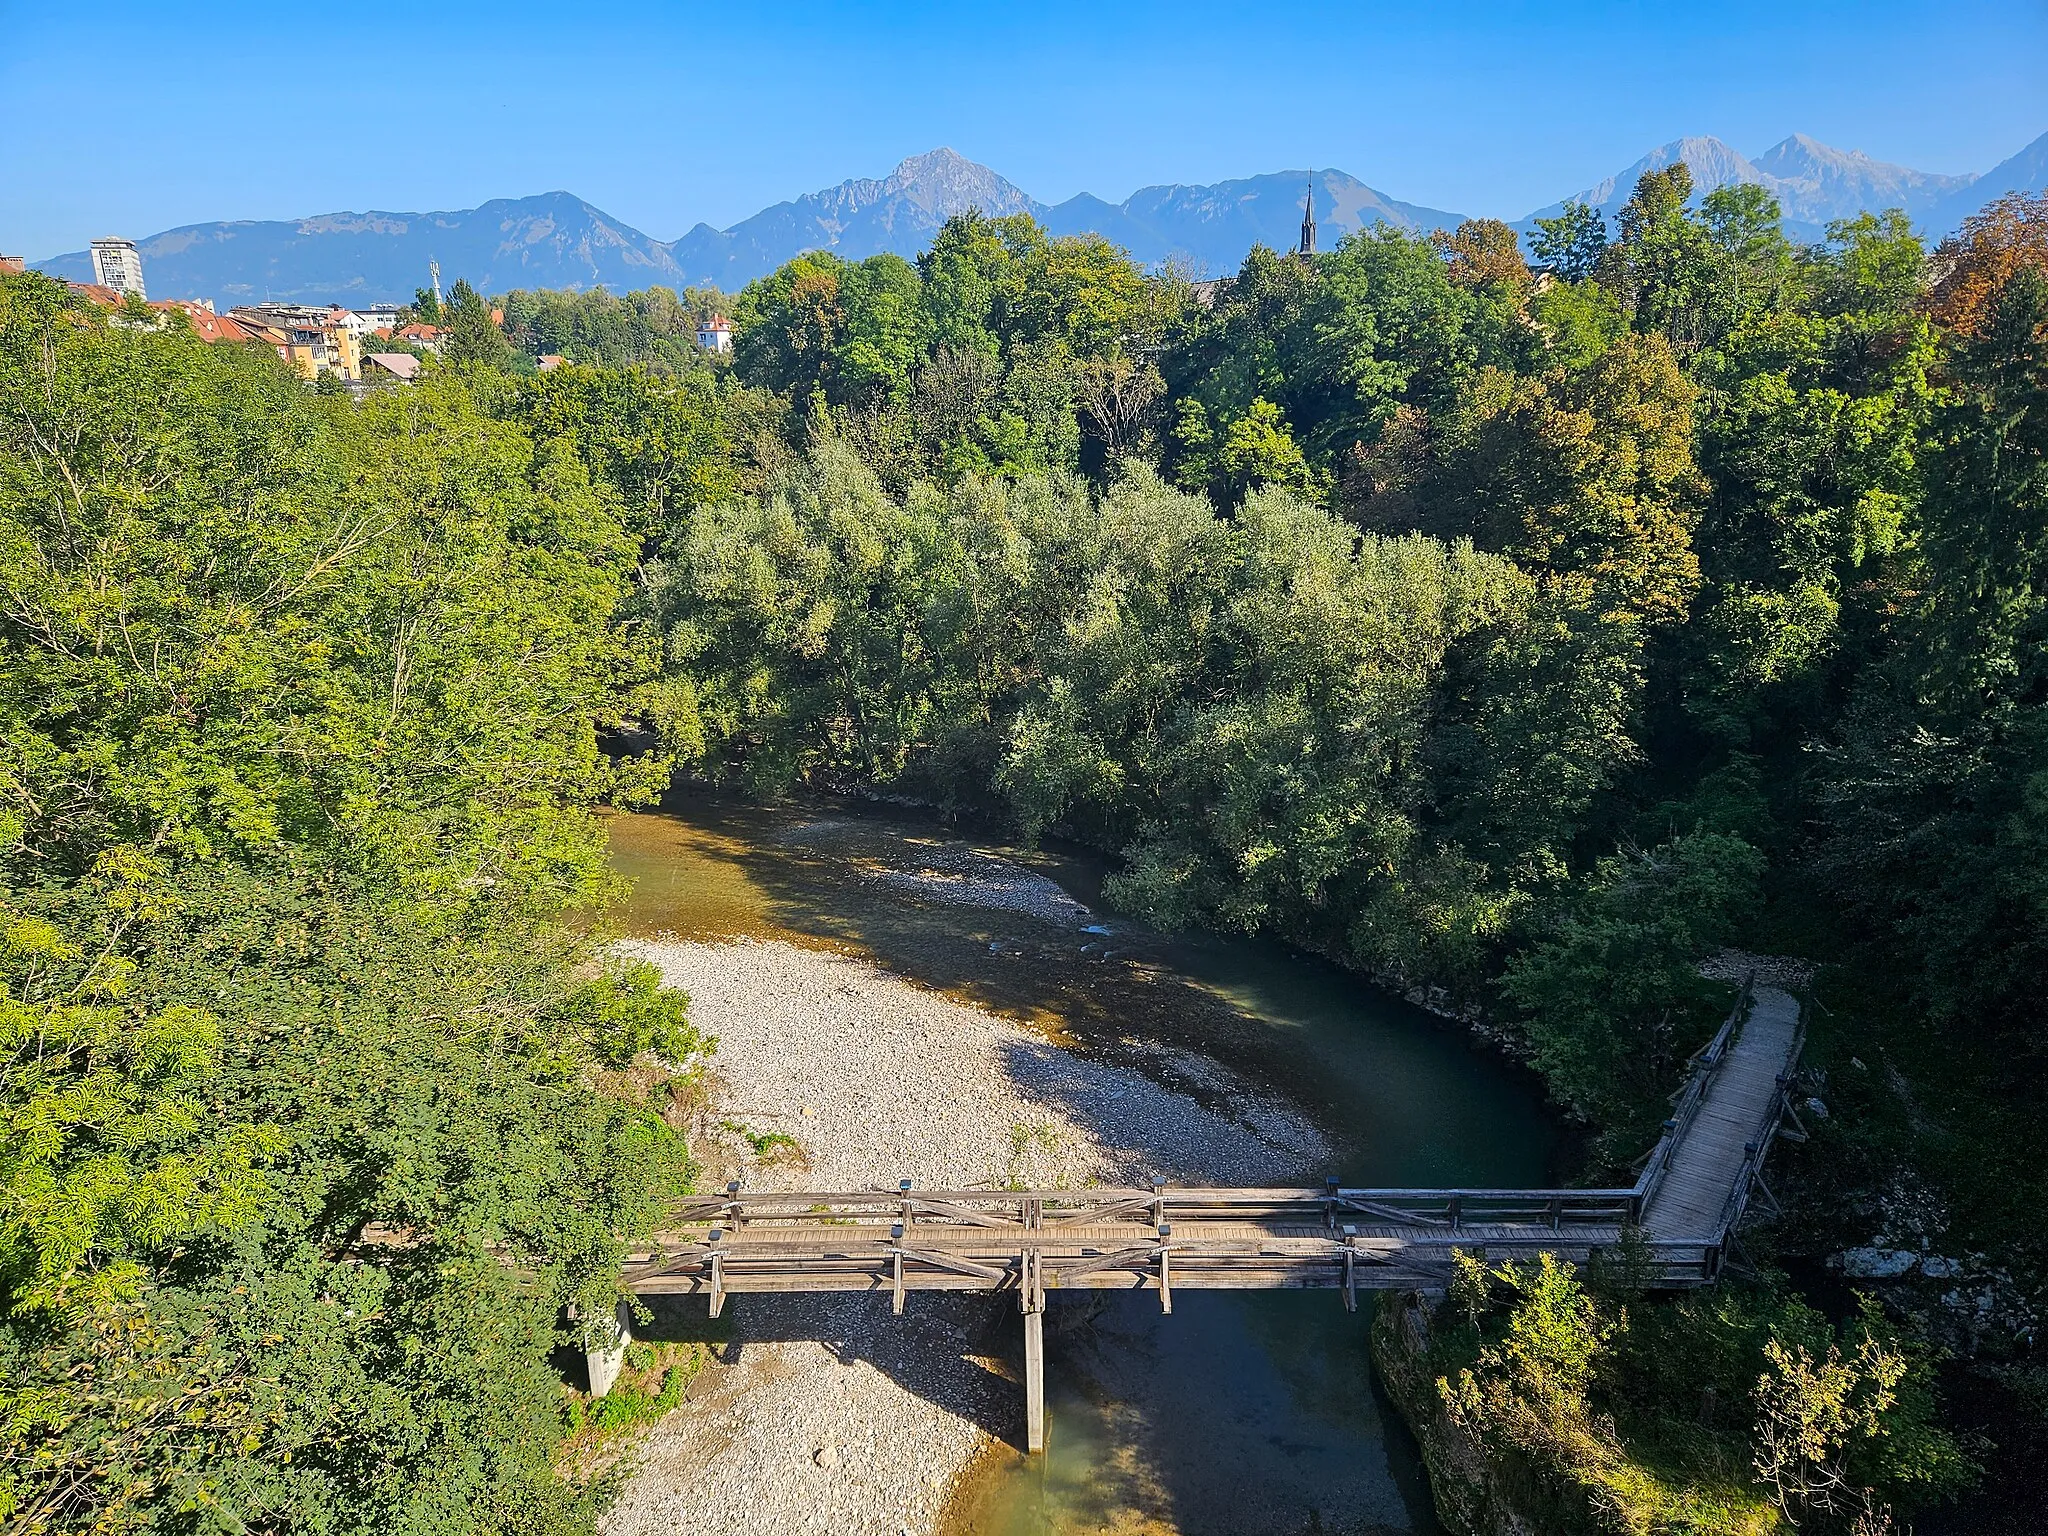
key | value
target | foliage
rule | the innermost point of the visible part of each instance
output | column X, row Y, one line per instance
column 653, row 328
column 1937, row 798
column 471, row 332
column 302, row 1153
column 1737, row 1410
column 1570, row 246
column 2007, row 236
column 1611, row 996
column 654, row 1382
column 1002, row 352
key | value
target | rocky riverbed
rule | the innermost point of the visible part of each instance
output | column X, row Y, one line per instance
column 831, row 1415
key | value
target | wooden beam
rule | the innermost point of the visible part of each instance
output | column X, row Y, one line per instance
column 896, row 1272
column 953, row 1211
column 1034, row 1382
column 950, row 1261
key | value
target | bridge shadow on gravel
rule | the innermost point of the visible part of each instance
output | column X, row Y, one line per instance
column 959, row 1352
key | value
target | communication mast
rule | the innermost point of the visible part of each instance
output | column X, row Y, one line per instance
column 434, row 272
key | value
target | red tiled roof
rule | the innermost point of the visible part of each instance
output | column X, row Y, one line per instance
column 99, row 293
column 208, row 326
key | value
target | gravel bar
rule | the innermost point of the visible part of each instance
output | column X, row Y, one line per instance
column 829, row 1414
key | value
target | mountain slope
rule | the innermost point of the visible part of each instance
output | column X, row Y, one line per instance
column 1814, row 183
column 856, row 219
column 553, row 240
column 1211, row 228
column 2026, row 171
column 559, row 241
column 1823, row 184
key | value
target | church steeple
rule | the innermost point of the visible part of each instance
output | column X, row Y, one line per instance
column 1308, row 222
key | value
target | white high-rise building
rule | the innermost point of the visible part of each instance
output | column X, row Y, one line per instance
column 117, row 265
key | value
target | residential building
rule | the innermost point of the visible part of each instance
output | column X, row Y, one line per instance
column 116, row 264
column 550, row 361
column 715, row 334
column 421, row 334
column 313, row 339
column 206, row 325
column 13, row 264
column 380, row 317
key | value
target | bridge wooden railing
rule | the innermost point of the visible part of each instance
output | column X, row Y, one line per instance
column 1693, row 1093
column 1330, row 1206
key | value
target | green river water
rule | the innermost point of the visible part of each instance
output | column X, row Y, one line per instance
column 1241, row 1414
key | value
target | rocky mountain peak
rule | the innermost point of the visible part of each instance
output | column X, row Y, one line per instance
column 944, row 182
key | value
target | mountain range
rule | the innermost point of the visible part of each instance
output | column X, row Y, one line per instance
column 556, row 240
column 1814, row 183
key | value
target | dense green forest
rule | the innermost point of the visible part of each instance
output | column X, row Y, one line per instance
column 1516, row 634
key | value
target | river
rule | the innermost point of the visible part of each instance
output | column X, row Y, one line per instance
column 1241, row 1413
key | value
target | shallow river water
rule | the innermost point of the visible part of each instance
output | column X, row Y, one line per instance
column 1241, row 1413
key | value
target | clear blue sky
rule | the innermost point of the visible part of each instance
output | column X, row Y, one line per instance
column 130, row 118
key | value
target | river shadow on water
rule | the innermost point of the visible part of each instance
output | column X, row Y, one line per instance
column 1242, row 1413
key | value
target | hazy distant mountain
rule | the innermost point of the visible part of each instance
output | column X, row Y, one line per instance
column 559, row 241
column 855, row 219
column 2026, row 171
column 1211, row 228
column 553, row 240
column 1813, row 182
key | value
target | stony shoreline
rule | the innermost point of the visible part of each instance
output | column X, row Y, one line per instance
column 833, row 1416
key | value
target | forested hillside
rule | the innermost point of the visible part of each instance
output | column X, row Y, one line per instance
column 1519, row 636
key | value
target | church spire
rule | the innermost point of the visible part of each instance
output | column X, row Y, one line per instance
column 1308, row 221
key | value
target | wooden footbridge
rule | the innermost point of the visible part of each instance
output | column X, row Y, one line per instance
column 1686, row 1205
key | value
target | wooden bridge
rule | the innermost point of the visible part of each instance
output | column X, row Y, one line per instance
column 1686, row 1205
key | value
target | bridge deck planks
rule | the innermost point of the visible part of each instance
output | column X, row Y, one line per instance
column 1707, row 1162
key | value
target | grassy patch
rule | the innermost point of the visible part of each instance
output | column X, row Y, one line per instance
column 656, row 1379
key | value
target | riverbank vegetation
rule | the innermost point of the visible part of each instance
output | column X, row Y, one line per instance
column 309, row 1131
column 1519, row 635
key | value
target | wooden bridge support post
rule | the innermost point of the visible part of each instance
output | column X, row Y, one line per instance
column 1031, row 1290
column 1034, row 1382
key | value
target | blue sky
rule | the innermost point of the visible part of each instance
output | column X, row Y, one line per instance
column 128, row 118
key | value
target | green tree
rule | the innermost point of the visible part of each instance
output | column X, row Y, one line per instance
column 1610, row 992
column 1257, row 450
column 473, row 335
column 307, row 1133
column 1570, row 246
